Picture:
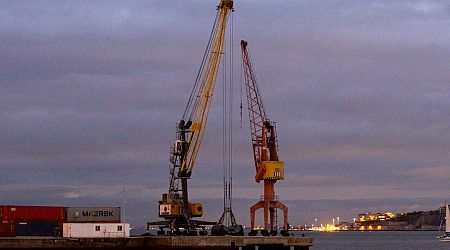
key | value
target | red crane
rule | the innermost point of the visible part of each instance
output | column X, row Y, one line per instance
column 265, row 153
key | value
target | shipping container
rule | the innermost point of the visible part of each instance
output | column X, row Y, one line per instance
column 7, row 230
column 37, row 228
column 96, row 230
column 31, row 213
column 93, row 214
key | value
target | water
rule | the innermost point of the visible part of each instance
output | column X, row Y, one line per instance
column 395, row 240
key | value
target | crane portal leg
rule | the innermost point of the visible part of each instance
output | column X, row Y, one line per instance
column 269, row 196
column 284, row 208
column 272, row 218
column 266, row 215
column 253, row 209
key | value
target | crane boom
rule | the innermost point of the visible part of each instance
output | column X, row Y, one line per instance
column 206, row 90
column 262, row 130
column 256, row 111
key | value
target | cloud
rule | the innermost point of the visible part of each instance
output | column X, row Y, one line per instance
column 90, row 93
column 315, row 180
column 430, row 173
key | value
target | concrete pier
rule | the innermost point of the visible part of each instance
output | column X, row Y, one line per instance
column 161, row 243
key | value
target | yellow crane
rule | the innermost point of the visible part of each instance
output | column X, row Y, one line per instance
column 175, row 207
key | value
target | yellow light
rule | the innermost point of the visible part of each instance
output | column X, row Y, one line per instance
column 379, row 227
column 389, row 214
column 370, row 228
column 362, row 228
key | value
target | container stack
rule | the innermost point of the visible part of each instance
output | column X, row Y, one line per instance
column 92, row 214
column 102, row 222
column 62, row 221
column 31, row 221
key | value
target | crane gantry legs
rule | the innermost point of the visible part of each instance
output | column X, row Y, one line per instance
column 269, row 203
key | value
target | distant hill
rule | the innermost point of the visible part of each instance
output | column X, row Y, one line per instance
column 421, row 219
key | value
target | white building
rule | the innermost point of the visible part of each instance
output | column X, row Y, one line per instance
column 96, row 230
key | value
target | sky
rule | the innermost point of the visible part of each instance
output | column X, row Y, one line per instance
column 91, row 91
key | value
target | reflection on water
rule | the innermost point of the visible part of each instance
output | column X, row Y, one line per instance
column 396, row 240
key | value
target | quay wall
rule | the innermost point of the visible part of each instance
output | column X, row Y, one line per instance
column 160, row 243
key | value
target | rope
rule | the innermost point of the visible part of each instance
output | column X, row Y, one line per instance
column 227, row 126
column 230, row 172
column 224, row 134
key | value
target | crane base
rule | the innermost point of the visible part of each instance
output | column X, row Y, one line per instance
column 174, row 227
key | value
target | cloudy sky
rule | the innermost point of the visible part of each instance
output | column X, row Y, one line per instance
column 91, row 91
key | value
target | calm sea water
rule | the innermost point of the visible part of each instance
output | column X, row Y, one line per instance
column 398, row 240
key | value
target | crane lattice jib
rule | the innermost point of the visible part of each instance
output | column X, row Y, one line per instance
column 206, row 89
column 256, row 112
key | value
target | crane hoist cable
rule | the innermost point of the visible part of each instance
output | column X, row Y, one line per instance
column 227, row 123
column 194, row 92
column 227, row 223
